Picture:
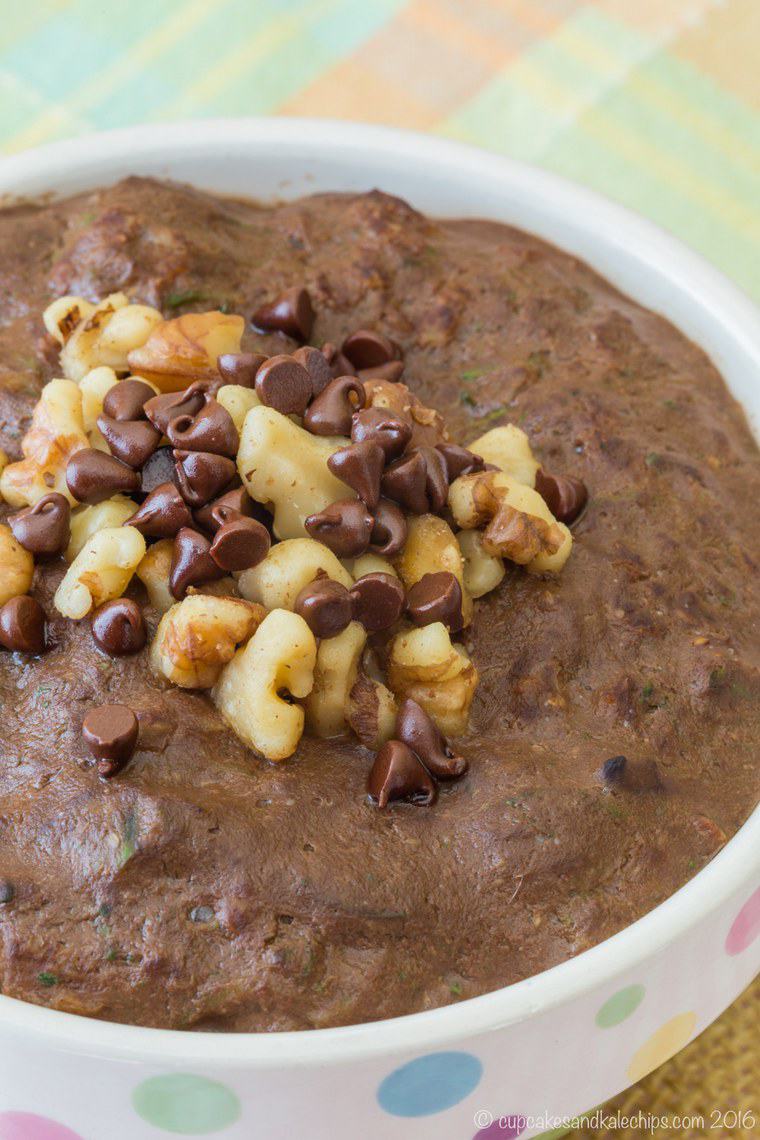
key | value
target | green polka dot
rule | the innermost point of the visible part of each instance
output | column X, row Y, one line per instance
column 619, row 1006
column 183, row 1103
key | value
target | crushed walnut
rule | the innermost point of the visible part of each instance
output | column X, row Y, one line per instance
column 313, row 539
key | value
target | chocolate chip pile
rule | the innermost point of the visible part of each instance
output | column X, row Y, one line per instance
column 177, row 455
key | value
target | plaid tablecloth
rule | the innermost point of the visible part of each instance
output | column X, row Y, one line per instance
column 653, row 102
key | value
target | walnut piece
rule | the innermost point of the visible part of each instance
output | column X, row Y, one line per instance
column 186, row 348
column 424, row 664
column 199, row 635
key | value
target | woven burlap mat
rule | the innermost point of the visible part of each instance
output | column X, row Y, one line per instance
column 717, row 1073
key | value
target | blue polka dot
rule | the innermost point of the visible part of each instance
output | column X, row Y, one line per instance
column 430, row 1084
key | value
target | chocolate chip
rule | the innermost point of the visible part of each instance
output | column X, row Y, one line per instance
column 360, row 466
column 436, row 479
column 92, row 476
column 436, row 597
column 632, row 773
column 458, row 460
column 44, row 528
column 22, row 625
column 344, row 527
column 7, row 891
column 211, row 429
column 201, row 476
column 131, row 441
column 381, row 426
column 331, row 411
column 240, row 367
column 127, row 399
column 389, row 530
column 159, row 469
column 564, row 496
column 162, row 514
column 340, row 365
column 316, row 365
column 240, row 543
column 192, row 563
column 405, row 481
column 377, row 601
column 325, row 606
column 111, row 733
column 397, row 775
column 161, row 410
column 230, row 505
column 392, row 371
column 157, row 727
column 613, row 769
column 291, row 313
column 368, row 349
column 284, row 384
column 118, row 627
column 420, row 732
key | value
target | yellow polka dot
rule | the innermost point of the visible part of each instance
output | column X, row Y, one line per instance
column 662, row 1045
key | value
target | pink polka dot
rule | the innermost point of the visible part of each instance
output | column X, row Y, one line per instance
column 746, row 926
column 29, row 1126
column 506, row 1127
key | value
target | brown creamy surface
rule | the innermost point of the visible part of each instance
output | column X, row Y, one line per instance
column 320, row 909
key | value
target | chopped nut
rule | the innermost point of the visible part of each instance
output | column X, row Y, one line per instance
column 371, row 712
column 284, row 466
column 508, row 448
column 520, row 537
column 199, row 635
column 225, row 587
column 371, row 564
column 154, row 571
column 63, row 315
column 106, row 334
column 87, row 521
column 482, row 572
column 493, row 499
column 254, row 693
column 16, row 566
column 56, row 432
column 186, row 348
column 101, row 571
column 238, row 401
column 336, row 670
column 424, row 665
column 94, row 388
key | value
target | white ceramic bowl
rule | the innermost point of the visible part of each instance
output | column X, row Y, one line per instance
column 554, row 1045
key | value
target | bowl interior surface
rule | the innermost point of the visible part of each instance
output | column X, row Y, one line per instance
column 281, row 158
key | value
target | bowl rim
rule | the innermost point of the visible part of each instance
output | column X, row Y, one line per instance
column 736, row 866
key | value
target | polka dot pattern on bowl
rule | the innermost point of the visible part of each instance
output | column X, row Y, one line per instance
column 186, row 1104
column 29, row 1126
column 746, row 926
column 662, row 1045
column 620, row 1006
column 429, row 1084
